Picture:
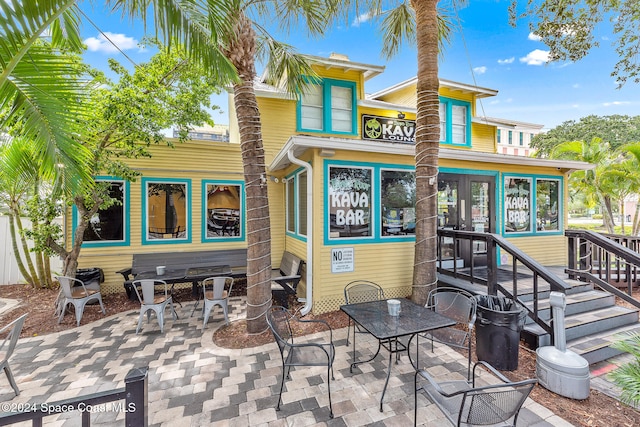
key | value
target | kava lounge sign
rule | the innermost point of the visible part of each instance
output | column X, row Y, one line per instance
column 389, row 129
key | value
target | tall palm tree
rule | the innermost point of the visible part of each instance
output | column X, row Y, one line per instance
column 423, row 23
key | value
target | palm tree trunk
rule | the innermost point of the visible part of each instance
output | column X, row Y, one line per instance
column 427, row 145
column 27, row 252
column 241, row 54
column 16, row 250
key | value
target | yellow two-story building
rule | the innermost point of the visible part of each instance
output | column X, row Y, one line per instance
column 341, row 187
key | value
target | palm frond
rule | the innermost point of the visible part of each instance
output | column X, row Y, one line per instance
column 198, row 25
column 284, row 66
column 44, row 100
column 398, row 26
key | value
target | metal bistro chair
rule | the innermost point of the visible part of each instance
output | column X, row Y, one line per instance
column 465, row 404
column 215, row 294
column 361, row 291
column 303, row 354
column 76, row 295
column 7, row 347
column 150, row 301
column 460, row 306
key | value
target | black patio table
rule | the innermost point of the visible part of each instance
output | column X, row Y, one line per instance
column 374, row 317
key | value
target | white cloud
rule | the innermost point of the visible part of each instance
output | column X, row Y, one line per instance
column 506, row 61
column 615, row 103
column 536, row 57
column 576, row 85
column 361, row 19
column 534, row 37
column 102, row 43
column 480, row 70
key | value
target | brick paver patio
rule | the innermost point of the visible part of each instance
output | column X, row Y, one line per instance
column 194, row 382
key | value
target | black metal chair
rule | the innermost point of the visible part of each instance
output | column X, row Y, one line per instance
column 460, row 306
column 465, row 404
column 361, row 291
column 300, row 354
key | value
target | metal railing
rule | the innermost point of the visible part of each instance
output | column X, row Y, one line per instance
column 491, row 243
column 134, row 406
column 605, row 259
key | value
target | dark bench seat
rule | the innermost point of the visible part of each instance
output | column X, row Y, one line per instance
column 285, row 279
column 189, row 262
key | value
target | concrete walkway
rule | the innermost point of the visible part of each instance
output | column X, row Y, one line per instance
column 194, row 382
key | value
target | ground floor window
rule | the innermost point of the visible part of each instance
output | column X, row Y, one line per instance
column 349, row 202
column 223, row 213
column 531, row 204
column 398, row 201
column 109, row 225
column 166, row 210
column 296, row 201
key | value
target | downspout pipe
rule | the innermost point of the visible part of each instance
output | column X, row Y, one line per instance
column 309, row 275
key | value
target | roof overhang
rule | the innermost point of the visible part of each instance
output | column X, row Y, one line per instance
column 301, row 143
column 479, row 92
column 368, row 71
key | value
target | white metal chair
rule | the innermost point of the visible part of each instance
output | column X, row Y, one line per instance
column 76, row 295
column 465, row 404
column 150, row 301
column 460, row 306
column 7, row 347
column 215, row 294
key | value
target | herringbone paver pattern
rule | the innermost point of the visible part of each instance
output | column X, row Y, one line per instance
column 192, row 382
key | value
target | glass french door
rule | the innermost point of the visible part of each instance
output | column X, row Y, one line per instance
column 465, row 202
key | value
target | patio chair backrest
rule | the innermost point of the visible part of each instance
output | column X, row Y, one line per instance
column 486, row 406
column 9, row 343
column 278, row 321
column 362, row 291
column 66, row 283
column 216, row 284
column 148, row 290
column 456, row 304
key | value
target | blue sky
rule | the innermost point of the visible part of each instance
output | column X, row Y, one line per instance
column 486, row 51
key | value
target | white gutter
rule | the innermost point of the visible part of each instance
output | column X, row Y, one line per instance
column 309, row 277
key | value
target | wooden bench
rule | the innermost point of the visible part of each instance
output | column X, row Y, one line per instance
column 236, row 259
column 285, row 279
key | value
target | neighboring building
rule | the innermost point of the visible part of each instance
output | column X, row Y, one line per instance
column 208, row 133
column 341, row 187
column 513, row 137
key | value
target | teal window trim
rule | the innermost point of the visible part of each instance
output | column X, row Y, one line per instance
column 521, row 138
column 292, row 179
column 449, row 103
column 243, row 220
column 498, row 136
column 326, row 85
column 376, row 214
column 533, row 205
column 510, row 137
column 126, row 219
column 380, row 169
column 144, row 227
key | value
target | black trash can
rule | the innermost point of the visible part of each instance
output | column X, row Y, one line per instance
column 91, row 277
column 499, row 321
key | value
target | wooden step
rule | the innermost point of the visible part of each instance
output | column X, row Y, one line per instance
column 576, row 303
column 596, row 348
column 584, row 324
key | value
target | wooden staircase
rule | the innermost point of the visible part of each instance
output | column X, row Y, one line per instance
column 592, row 318
column 593, row 321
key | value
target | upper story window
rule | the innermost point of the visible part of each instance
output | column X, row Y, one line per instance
column 109, row 226
column 166, row 210
column 510, row 137
column 498, row 136
column 455, row 122
column 521, row 138
column 328, row 106
column 224, row 210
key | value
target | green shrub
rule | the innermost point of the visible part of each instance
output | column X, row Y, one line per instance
column 596, row 216
column 627, row 377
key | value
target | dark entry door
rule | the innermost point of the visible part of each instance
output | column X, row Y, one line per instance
column 466, row 202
